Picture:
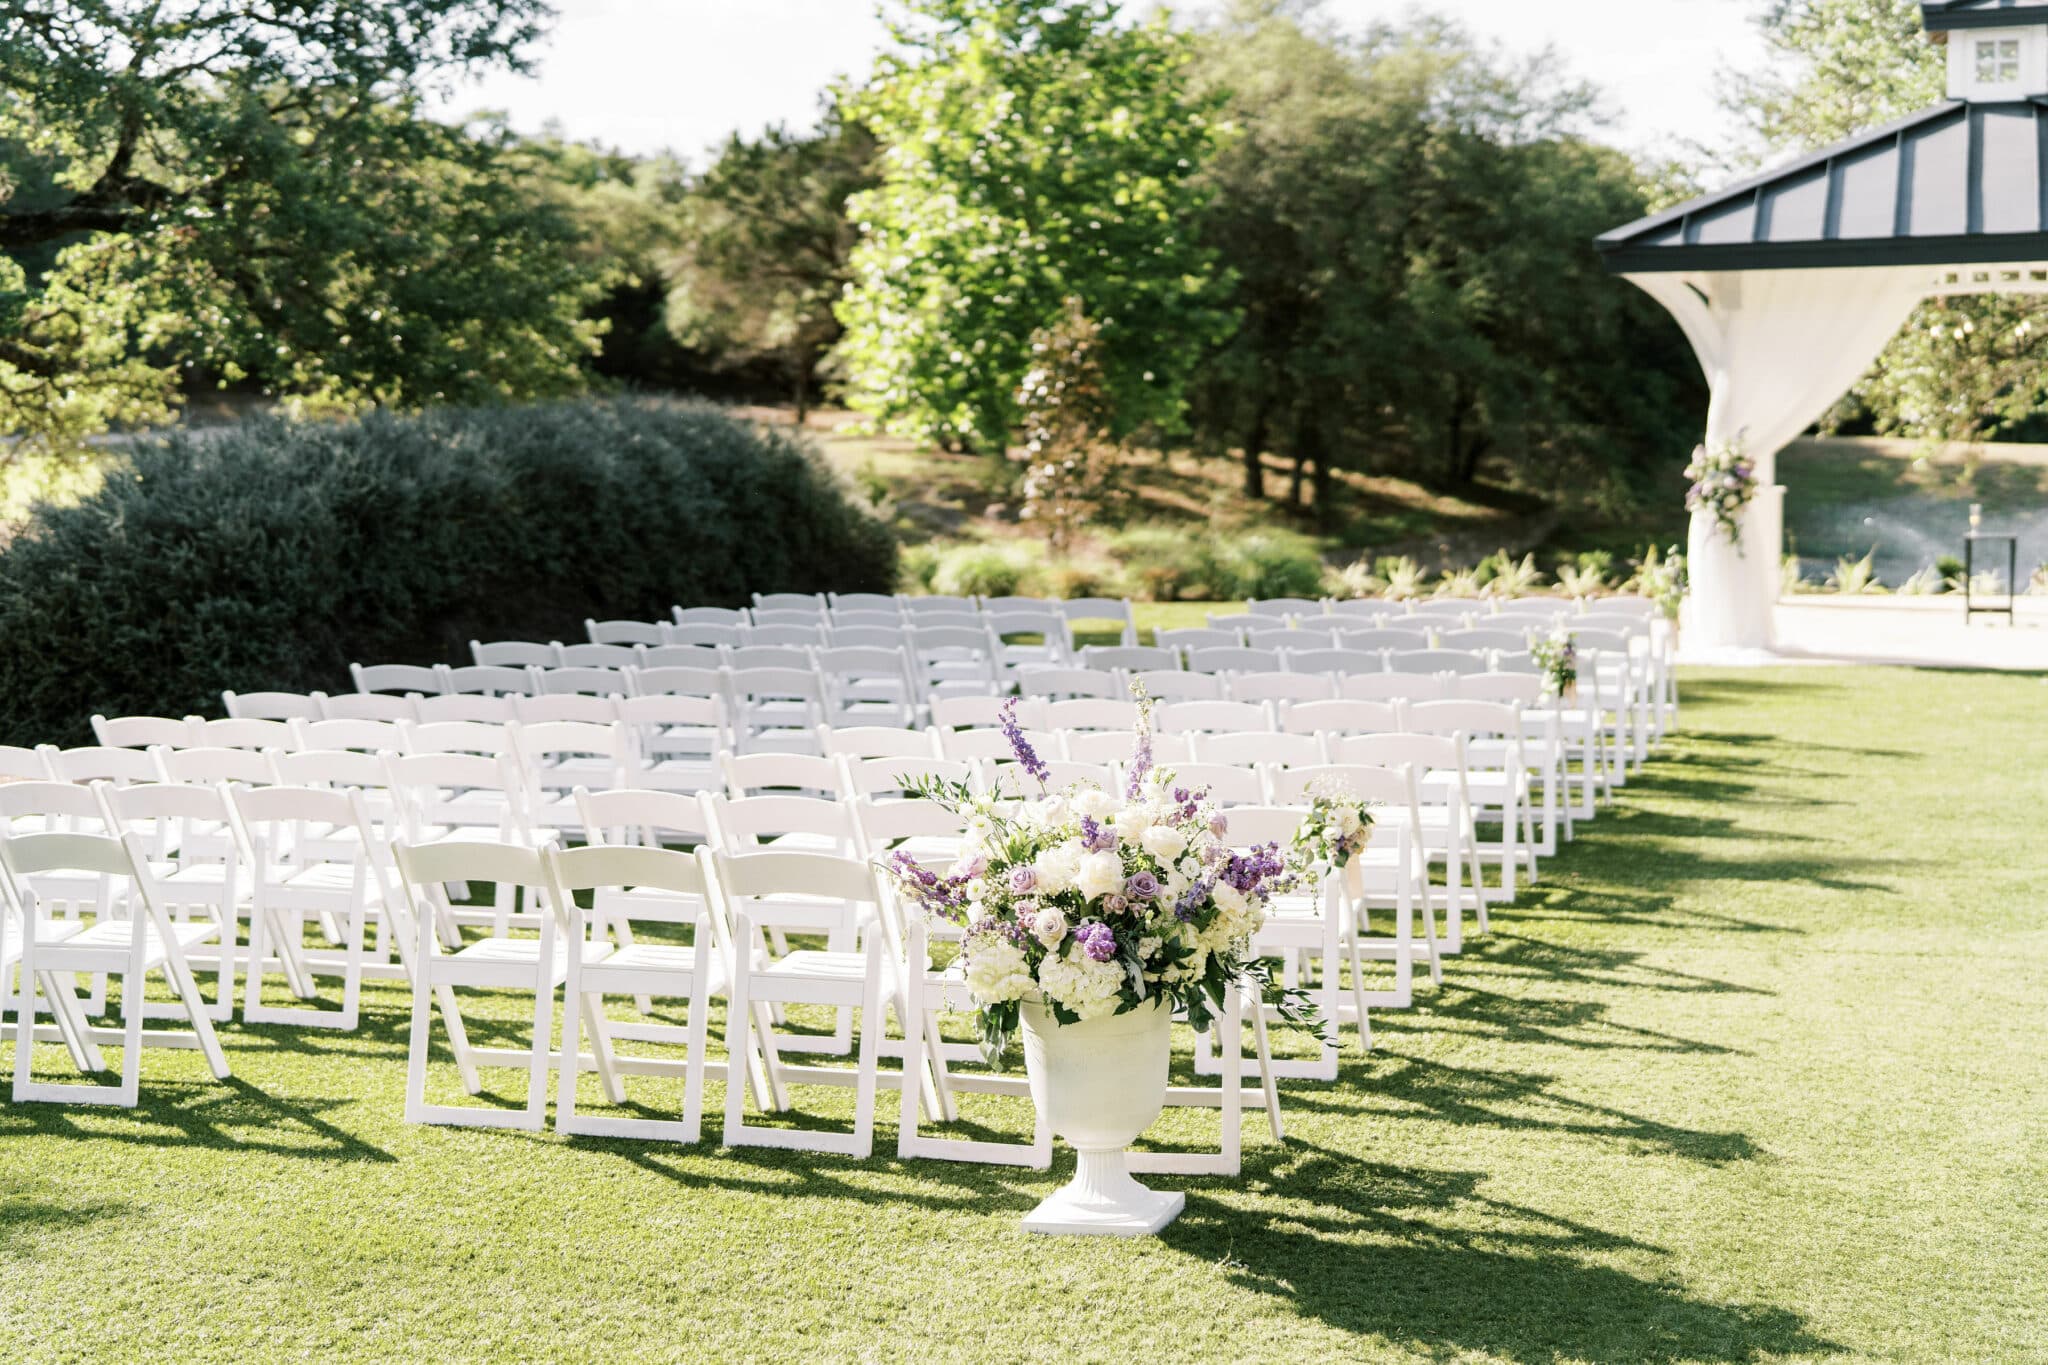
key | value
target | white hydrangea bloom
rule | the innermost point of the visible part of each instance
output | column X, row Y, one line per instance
column 996, row 970
column 1077, row 981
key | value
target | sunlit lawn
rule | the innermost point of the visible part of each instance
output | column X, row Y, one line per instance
column 1757, row 1071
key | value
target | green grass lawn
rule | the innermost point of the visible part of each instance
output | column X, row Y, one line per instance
column 1756, row 1072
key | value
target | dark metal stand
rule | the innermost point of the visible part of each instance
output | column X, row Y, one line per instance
column 2012, row 568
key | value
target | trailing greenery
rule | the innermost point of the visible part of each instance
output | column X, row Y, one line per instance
column 273, row 555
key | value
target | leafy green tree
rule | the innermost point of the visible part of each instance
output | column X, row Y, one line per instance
column 1071, row 461
column 1032, row 151
column 248, row 192
column 1409, row 217
column 1964, row 368
column 764, row 250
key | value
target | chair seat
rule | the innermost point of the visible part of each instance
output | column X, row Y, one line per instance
column 200, row 877
column 817, row 964
column 111, row 939
column 652, row 957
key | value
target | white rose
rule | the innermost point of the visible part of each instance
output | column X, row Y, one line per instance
column 1050, row 927
column 1132, row 821
column 1095, row 804
column 1229, row 898
column 1100, row 874
column 1057, row 868
column 1163, row 842
column 1047, row 814
column 1347, row 820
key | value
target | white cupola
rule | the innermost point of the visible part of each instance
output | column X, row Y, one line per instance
column 1997, row 49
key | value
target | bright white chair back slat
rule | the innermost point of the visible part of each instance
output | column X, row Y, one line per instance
column 457, row 737
column 938, row 605
column 1131, row 657
column 595, row 655
column 275, row 705
column 972, row 744
column 1066, row 684
column 335, row 768
column 674, row 740
column 241, row 734
column 624, row 632
column 1214, row 717
column 1425, row 661
column 1007, row 777
column 758, row 774
column 1198, row 637
column 783, row 821
column 871, row 685
column 1523, row 688
column 955, row 660
column 864, row 637
column 923, row 831
column 877, row 741
column 1097, row 612
column 23, row 764
column 556, row 757
column 577, row 680
column 1239, row 621
column 470, row 706
column 1165, row 685
column 1117, row 746
column 1414, row 628
column 887, row 604
column 1228, row 784
column 1090, row 713
column 1253, row 751
column 493, row 680
column 143, row 732
column 811, row 602
column 215, row 765
column 514, row 653
column 775, row 708
column 1379, row 640
column 674, row 680
column 1279, row 687
column 787, row 635
column 1240, row 660
column 367, row 736
column 1316, row 634
column 397, row 678
column 1367, row 610
column 1286, row 606
column 704, row 636
column 1341, row 717
column 576, row 706
column 769, row 656
column 1483, row 639
column 1335, row 662
column 884, row 776
column 1391, row 686
column 709, row 616
column 953, row 712
column 369, row 706
column 98, row 763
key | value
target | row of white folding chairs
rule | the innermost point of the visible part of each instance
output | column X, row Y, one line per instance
column 1114, row 613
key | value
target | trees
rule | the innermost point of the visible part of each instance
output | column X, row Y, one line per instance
column 1409, row 218
column 1071, row 460
column 1031, row 151
column 1963, row 368
column 765, row 249
column 248, row 192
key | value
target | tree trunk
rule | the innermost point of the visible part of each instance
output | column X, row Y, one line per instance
column 1325, row 489
column 1254, row 453
column 803, row 392
column 1296, row 478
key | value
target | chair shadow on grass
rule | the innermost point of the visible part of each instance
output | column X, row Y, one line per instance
column 230, row 1114
column 26, row 1211
column 1422, row 1257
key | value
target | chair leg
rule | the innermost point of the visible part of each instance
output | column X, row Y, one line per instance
column 543, row 1034
column 570, row 1066
column 871, row 1029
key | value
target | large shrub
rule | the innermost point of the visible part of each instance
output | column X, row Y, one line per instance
column 271, row 556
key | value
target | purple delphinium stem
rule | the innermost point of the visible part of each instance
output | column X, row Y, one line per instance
column 1141, row 747
column 1021, row 747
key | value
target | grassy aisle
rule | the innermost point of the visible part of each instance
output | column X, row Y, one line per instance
column 1757, row 1071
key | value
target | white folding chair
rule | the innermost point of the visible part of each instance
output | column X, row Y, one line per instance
column 371, row 706
column 574, row 680
column 674, row 739
column 775, row 708
column 491, row 680
column 1341, row 717
column 1167, row 685
column 624, row 632
column 185, row 831
column 49, row 954
column 144, row 732
column 709, row 616
column 310, row 854
column 865, row 686
column 950, row 713
column 757, row 889
column 1197, row 637
column 1214, row 717
column 1067, row 684
column 536, row 963
column 1129, row 658
column 557, row 757
column 676, row 680
column 812, row 775
column 579, row 707
column 98, row 763
column 876, row 741
column 398, row 678
column 240, row 734
column 1494, row 773
column 1090, row 713
column 1393, row 687
column 513, row 653
column 1273, row 688
column 1234, row 660
column 1099, row 611
column 1343, row 662
column 274, row 705
column 475, row 707
column 1426, row 661
column 703, row 635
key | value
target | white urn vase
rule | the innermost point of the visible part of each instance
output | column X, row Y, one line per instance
column 1100, row 1083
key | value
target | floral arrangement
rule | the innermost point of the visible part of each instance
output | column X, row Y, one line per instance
column 1557, row 654
column 1096, row 902
column 1662, row 579
column 1723, row 482
column 1337, row 829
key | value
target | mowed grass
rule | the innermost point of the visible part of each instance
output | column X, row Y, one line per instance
column 1756, row 1072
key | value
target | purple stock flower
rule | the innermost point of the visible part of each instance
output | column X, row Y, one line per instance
column 1097, row 838
column 1097, row 940
column 1247, row 871
column 1141, row 886
column 1023, row 879
column 1021, row 747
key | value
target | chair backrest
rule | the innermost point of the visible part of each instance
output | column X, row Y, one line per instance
column 631, row 815
column 576, row 706
column 175, row 821
column 624, row 632
column 752, row 774
column 1254, row 751
column 426, row 871
column 704, row 636
column 674, row 681
column 441, row 790
column 1117, row 746
column 1061, row 684
column 1410, row 629
column 368, row 736
column 1235, row 620
column 1042, row 620
column 1015, row 603
column 768, row 618
column 885, row 775
column 579, row 680
column 242, row 734
column 709, row 616
column 277, row 705
column 596, row 655
column 1343, row 717
column 1134, row 657
column 1163, row 684
column 887, row 604
column 1345, row 610
column 1335, row 662
column 397, row 678
column 838, row 636
column 1447, row 609
column 753, row 883
column 371, row 706
column 888, row 666
column 786, row 634
column 1197, row 637
column 1421, row 752
column 779, row 684
column 877, row 741
column 1090, row 713
column 1101, row 610
column 102, row 855
column 891, row 620
column 1480, row 638
column 1378, row 639
column 770, row 656
column 744, row 823
column 23, row 764
column 1385, row 784
column 457, row 737
column 1524, row 688
column 953, row 712
column 98, row 763
column 514, row 653
column 938, row 605
column 1214, row 717
column 1009, row 778
column 665, row 727
column 143, row 732
column 1391, row 687
column 1234, row 660
column 216, row 765
column 547, row 750
column 475, row 707
column 1313, row 634
column 1629, row 627
column 331, row 768
column 1285, row 606
column 811, row 602
column 881, row 824
column 1469, row 718
column 58, row 806
column 1633, row 606
column 1277, row 687
column 1541, row 608
column 982, row 742
column 597, row 867
column 489, row 679
column 1435, row 661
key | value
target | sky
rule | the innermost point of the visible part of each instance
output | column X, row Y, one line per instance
column 681, row 75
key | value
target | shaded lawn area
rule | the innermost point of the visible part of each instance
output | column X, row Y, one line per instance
column 1756, row 1071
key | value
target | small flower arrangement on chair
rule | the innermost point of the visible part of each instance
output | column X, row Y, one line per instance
column 1558, row 656
column 1723, row 483
column 1337, row 827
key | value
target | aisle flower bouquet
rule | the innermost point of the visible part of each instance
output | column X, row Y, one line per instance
column 1337, row 829
column 1098, row 902
column 1558, row 656
column 1723, row 482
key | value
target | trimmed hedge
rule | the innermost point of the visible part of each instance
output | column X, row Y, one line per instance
column 270, row 556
